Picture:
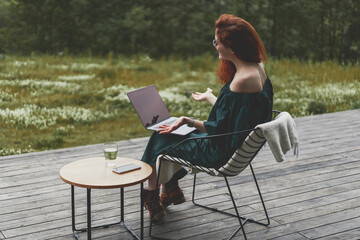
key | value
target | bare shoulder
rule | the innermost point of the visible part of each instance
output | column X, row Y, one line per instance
column 250, row 81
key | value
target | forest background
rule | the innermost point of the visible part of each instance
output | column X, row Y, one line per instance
column 304, row 29
column 65, row 66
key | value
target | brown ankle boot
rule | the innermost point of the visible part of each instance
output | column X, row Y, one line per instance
column 156, row 210
column 171, row 194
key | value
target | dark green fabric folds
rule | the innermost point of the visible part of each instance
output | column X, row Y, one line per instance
column 232, row 112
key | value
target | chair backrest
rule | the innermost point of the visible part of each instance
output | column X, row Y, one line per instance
column 244, row 154
column 241, row 158
column 236, row 164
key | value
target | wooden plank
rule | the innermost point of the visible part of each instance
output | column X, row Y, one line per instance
column 314, row 203
column 310, row 223
column 312, row 183
column 314, row 197
column 58, row 195
column 297, row 213
column 334, row 228
column 61, row 202
column 292, row 236
column 238, row 236
column 348, row 234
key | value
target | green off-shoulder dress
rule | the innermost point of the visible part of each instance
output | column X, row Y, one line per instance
column 233, row 111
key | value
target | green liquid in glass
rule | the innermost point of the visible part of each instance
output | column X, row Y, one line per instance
column 110, row 153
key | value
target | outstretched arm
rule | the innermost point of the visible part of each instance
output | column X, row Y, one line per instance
column 208, row 96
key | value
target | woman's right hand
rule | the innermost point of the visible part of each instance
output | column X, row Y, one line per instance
column 202, row 96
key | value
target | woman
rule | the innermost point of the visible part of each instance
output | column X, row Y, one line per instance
column 244, row 102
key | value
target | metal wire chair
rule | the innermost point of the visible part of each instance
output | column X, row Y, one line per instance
column 237, row 160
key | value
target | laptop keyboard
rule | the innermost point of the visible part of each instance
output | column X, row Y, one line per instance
column 168, row 122
column 165, row 122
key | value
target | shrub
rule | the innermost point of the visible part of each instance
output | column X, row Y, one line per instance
column 356, row 105
column 315, row 107
column 63, row 131
column 49, row 143
column 109, row 73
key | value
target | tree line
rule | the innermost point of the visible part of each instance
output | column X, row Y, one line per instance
column 304, row 29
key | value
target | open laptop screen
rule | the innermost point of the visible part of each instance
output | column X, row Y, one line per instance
column 148, row 105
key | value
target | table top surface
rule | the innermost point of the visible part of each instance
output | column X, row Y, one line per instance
column 93, row 173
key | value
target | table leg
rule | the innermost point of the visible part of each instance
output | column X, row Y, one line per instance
column 88, row 229
column 122, row 221
column 89, row 213
column 73, row 224
column 72, row 208
column 141, row 212
column 122, row 204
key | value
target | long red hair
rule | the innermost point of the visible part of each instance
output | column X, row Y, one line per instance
column 242, row 39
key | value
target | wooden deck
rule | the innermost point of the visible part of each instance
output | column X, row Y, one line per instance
column 313, row 197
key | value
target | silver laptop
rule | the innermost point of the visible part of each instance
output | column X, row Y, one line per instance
column 152, row 110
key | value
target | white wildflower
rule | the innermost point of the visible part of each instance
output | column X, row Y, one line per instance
column 194, row 74
column 43, row 85
column 41, row 118
column 76, row 77
column 85, row 66
column 60, row 66
column 335, row 93
column 145, row 59
column 29, row 115
column 23, row 64
column 12, row 151
column 173, row 95
column 5, row 75
column 6, row 97
column 116, row 93
column 284, row 101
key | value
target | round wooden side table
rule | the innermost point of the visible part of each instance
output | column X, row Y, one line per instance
column 92, row 173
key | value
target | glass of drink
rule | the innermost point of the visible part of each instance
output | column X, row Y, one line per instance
column 110, row 153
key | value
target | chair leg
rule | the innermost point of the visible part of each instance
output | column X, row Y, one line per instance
column 210, row 208
column 203, row 206
column 193, row 193
column 237, row 213
column 262, row 201
column 217, row 210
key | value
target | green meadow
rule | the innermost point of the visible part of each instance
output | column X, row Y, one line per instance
column 50, row 102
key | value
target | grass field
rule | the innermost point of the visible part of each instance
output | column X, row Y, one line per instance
column 49, row 102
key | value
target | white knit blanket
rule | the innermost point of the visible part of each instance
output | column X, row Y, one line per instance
column 281, row 135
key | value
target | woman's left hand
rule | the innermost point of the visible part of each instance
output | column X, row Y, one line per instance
column 169, row 128
column 202, row 96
